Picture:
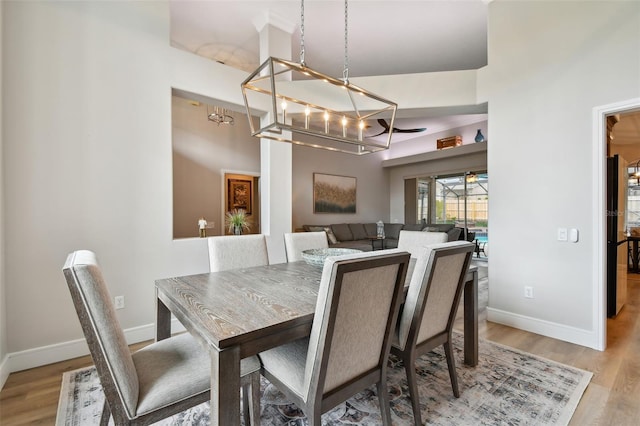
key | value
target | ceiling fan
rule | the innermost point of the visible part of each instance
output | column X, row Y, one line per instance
column 386, row 127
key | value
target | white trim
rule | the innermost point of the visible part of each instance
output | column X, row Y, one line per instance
column 599, row 176
column 546, row 328
column 36, row 357
column 4, row 371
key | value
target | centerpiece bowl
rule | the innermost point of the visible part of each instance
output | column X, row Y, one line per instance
column 316, row 257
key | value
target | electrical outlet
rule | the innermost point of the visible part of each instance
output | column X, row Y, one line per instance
column 119, row 302
column 528, row 292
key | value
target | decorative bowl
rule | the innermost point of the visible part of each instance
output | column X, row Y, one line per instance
column 316, row 257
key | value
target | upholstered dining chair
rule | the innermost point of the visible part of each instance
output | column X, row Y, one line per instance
column 237, row 251
column 348, row 347
column 414, row 241
column 429, row 311
column 296, row 242
column 158, row 381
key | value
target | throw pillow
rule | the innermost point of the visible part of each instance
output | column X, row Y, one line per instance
column 332, row 238
column 454, row 234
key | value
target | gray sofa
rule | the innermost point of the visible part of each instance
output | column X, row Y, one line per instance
column 356, row 235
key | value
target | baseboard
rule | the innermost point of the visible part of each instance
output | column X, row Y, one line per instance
column 4, row 371
column 562, row 332
column 50, row 354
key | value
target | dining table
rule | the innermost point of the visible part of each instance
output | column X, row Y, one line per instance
column 242, row 312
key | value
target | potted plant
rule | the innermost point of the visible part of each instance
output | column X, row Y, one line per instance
column 236, row 220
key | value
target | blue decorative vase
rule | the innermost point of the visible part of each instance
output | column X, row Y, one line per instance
column 479, row 136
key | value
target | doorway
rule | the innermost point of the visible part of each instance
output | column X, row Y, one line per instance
column 241, row 193
column 602, row 148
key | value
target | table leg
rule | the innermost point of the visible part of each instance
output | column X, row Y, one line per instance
column 163, row 320
column 225, row 387
column 471, row 320
column 634, row 256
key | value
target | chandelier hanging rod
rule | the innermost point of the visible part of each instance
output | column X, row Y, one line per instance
column 306, row 107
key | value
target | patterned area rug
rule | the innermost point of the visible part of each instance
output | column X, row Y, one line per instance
column 508, row 387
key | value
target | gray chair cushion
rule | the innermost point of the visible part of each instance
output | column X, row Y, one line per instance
column 287, row 362
column 83, row 271
column 237, row 251
column 415, row 241
column 296, row 242
column 175, row 369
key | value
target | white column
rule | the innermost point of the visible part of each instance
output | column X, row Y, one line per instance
column 275, row 157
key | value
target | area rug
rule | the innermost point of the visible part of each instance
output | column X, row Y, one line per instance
column 507, row 387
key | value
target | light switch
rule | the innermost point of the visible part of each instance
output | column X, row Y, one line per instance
column 562, row 234
column 573, row 235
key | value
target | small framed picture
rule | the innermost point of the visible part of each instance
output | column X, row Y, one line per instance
column 239, row 194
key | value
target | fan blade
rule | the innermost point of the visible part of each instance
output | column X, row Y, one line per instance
column 384, row 124
column 409, row 130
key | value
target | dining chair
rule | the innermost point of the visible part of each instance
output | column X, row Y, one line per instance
column 429, row 311
column 348, row 348
column 237, row 251
column 414, row 241
column 296, row 242
column 158, row 381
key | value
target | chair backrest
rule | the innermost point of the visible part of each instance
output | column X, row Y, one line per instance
column 296, row 242
column 414, row 241
column 434, row 291
column 102, row 330
column 358, row 301
column 237, row 251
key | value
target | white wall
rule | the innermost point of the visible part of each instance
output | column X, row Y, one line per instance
column 87, row 152
column 429, row 142
column 372, row 191
column 550, row 64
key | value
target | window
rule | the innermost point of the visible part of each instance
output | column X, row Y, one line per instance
column 460, row 199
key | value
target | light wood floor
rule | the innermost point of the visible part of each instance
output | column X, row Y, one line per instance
column 612, row 398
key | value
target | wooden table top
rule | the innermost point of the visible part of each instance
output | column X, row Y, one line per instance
column 232, row 307
column 242, row 304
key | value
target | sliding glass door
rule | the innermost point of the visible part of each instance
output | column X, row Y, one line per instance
column 460, row 199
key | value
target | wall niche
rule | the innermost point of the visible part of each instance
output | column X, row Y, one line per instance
column 202, row 152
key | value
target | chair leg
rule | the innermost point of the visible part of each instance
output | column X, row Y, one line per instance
column 315, row 418
column 255, row 399
column 451, row 363
column 383, row 398
column 412, row 382
column 246, row 412
column 106, row 414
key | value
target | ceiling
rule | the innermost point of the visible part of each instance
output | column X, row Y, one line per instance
column 384, row 38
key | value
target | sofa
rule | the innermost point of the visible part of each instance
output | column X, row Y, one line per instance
column 356, row 235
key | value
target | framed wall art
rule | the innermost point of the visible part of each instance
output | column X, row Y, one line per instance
column 239, row 194
column 334, row 194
